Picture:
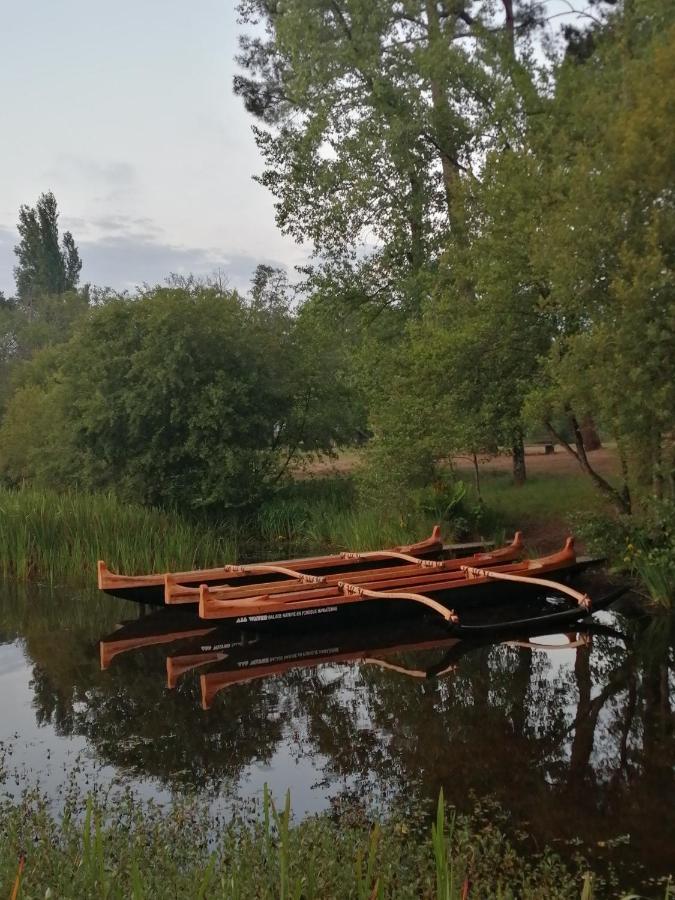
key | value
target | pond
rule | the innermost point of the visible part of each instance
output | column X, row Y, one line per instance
column 572, row 734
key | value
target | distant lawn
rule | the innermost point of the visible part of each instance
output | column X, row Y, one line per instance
column 544, row 507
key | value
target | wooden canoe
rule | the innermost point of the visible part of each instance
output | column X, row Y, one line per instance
column 150, row 588
column 439, row 592
column 395, row 567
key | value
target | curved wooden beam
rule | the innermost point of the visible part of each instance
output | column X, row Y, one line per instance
column 393, row 554
column 264, row 568
column 582, row 599
column 448, row 614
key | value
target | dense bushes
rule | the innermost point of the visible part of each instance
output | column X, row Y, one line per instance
column 643, row 546
column 186, row 396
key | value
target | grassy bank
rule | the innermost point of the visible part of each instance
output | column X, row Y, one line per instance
column 57, row 537
column 141, row 851
column 54, row 536
column 542, row 499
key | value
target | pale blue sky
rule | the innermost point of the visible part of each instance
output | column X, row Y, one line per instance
column 125, row 110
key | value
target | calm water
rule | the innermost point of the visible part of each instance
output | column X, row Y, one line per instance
column 574, row 736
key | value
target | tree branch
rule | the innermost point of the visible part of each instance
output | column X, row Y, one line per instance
column 620, row 499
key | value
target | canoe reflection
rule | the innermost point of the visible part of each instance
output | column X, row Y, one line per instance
column 237, row 657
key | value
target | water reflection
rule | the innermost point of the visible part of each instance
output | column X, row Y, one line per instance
column 572, row 733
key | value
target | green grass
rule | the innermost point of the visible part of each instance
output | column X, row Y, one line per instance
column 538, row 501
column 58, row 537
column 51, row 536
column 126, row 849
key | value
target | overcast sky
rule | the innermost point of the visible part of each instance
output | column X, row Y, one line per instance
column 125, row 111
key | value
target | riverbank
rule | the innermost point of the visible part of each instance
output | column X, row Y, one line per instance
column 126, row 849
column 53, row 537
column 58, row 538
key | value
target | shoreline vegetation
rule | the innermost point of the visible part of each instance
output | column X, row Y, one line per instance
column 57, row 537
column 131, row 849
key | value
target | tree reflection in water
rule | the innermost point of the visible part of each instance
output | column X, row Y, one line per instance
column 573, row 742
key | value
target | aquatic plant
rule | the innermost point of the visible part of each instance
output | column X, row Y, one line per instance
column 642, row 546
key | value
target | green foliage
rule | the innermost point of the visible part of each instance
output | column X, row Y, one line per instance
column 643, row 547
column 604, row 241
column 126, row 849
column 186, row 396
column 376, row 109
column 60, row 537
column 553, row 301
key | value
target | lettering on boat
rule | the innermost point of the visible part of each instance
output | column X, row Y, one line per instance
column 211, row 648
column 293, row 613
column 287, row 657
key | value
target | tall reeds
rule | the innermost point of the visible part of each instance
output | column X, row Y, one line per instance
column 59, row 537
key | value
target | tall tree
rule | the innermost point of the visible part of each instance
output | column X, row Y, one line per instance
column 46, row 265
column 604, row 246
column 376, row 110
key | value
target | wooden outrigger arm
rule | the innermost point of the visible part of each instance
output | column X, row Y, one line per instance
column 582, row 599
column 448, row 614
column 264, row 568
column 393, row 554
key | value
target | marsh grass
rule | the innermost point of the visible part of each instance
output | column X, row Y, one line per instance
column 655, row 570
column 128, row 849
column 50, row 536
column 328, row 514
column 641, row 546
column 56, row 537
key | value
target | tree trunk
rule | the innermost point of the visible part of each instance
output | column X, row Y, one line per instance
column 590, row 434
column 442, row 117
column 518, row 456
column 476, row 475
column 620, row 499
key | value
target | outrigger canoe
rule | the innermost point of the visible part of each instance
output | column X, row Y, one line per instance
column 152, row 589
column 379, row 568
column 382, row 594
